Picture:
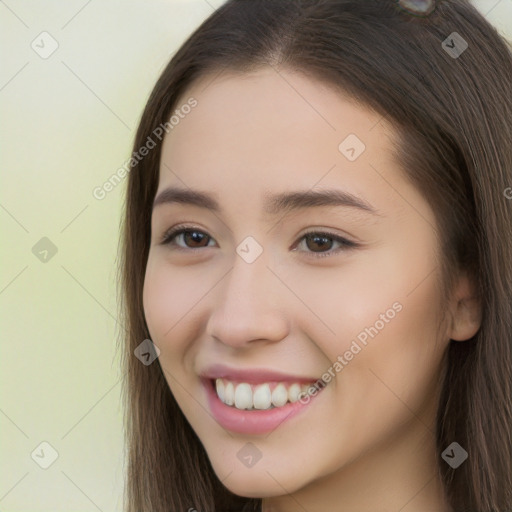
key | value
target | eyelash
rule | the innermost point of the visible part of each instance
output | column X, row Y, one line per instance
column 169, row 235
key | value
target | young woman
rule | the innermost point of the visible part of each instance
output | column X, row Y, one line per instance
column 316, row 264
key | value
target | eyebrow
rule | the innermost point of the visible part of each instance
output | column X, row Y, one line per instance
column 274, row 203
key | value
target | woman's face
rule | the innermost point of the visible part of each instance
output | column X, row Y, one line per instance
column 245, row 292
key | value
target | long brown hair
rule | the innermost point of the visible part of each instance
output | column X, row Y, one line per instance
column 453, row 118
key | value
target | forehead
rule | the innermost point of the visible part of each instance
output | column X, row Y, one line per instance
column 269, row 130
column 257, row 106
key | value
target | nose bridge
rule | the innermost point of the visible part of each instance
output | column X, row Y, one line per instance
column 245, row 307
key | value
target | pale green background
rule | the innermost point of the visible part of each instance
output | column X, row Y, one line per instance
column 67, row 124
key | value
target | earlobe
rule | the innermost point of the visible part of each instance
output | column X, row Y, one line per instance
column 466, row 311
column 466, row 320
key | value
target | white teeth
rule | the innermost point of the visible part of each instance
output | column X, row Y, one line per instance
column 244, row 396
column 294, row 392
column 229, row 392
column 219, row 384
column 279, row 395
column 262, row 397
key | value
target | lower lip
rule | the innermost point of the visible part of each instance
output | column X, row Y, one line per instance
column 254, row 421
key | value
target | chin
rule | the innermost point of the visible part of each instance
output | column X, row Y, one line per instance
column 258, row 483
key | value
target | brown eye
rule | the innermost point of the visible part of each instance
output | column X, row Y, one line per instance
column 320, row 244
column 316, row 242
column 195, row 238
column 192, row 238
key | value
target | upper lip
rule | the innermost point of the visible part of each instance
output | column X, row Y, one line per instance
column 252, row 375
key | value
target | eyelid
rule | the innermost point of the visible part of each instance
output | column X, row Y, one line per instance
column 173, row 232
column 345, row 242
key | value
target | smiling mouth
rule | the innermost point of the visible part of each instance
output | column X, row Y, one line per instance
column 249, row 408
column 263, row 396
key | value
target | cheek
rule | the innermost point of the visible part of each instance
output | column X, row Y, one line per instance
column 159, row 301
column 380, row 313
column 364, row 292
column 167, row 298
column 395, row 375
column 167, row 301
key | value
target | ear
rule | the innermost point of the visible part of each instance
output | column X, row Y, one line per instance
column 465, row 309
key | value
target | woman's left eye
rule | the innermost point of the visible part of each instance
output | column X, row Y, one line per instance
column 313, row 240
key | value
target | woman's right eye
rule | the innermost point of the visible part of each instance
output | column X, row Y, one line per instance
column 193, row 238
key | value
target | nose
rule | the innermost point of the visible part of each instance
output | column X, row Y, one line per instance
column 249, row 306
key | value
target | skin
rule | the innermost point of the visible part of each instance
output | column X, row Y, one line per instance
column 366, row 442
